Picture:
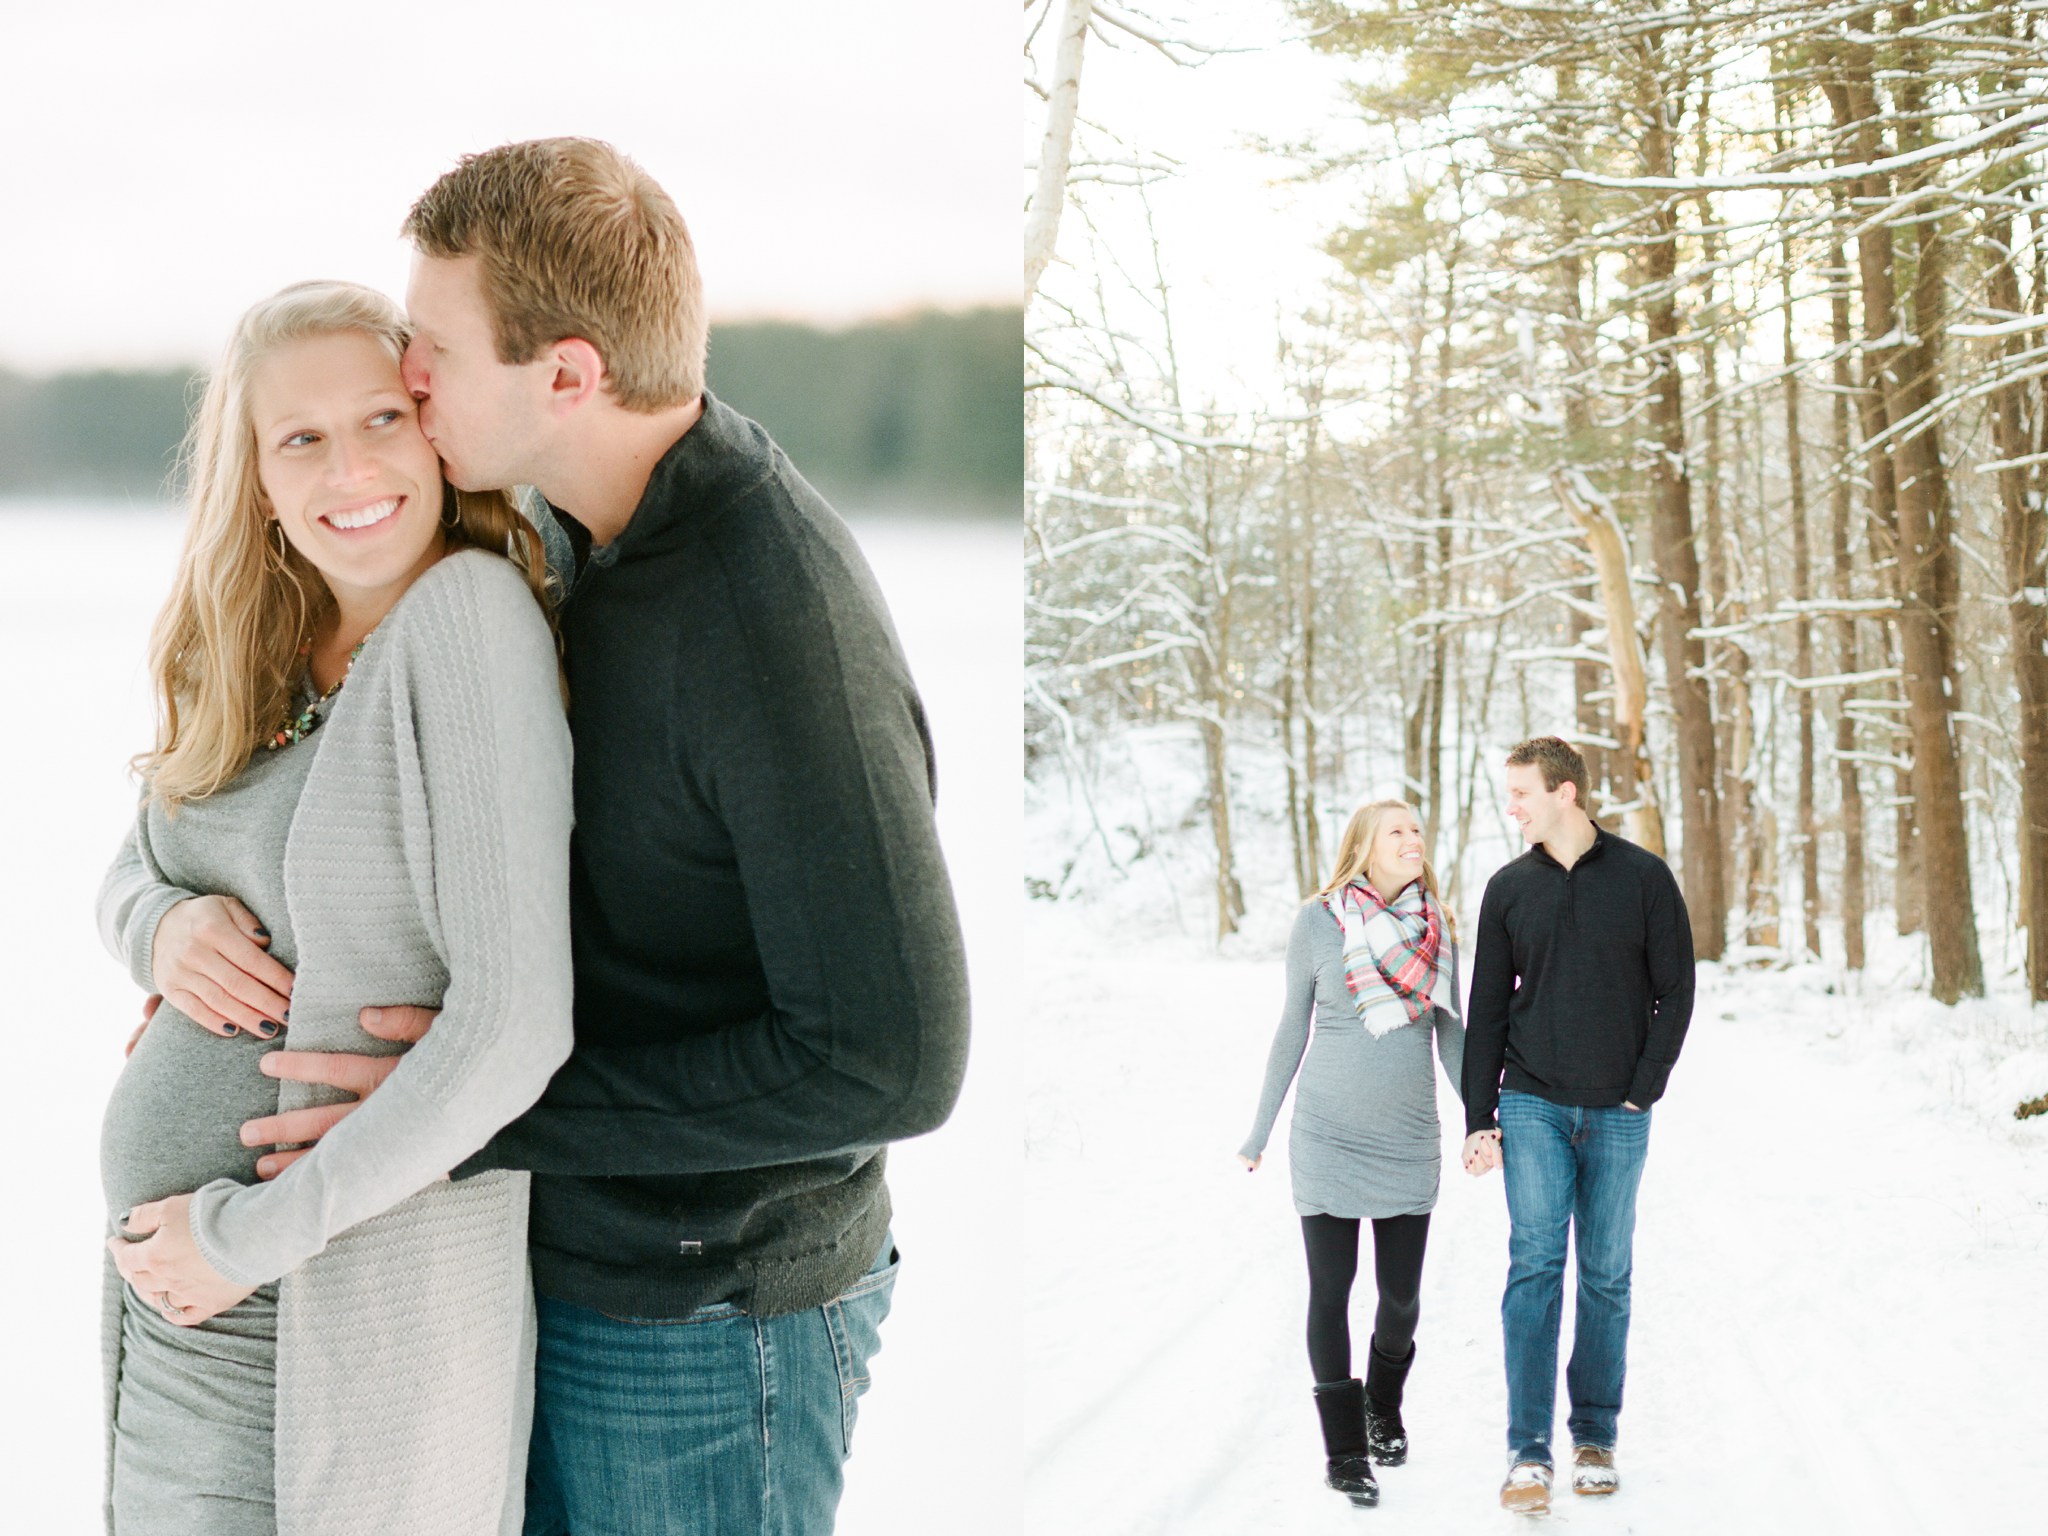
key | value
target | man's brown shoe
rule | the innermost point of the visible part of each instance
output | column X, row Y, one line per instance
column 1527, row 1490
column 1593, row 1470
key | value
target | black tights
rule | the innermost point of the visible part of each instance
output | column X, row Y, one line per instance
column 1332, row 1242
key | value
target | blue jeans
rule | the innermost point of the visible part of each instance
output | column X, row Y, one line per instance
column 716, row 1424
column 1574, row 1168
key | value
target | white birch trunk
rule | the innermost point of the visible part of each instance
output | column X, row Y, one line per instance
column 1063, row 100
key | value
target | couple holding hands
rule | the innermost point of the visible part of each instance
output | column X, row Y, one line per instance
column 476, row 1175
column 1582, row 987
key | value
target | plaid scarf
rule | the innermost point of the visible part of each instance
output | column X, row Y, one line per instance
column 1392, row 952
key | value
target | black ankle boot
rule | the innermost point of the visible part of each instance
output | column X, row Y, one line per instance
column 1386, row 1437
column 1341, row 1406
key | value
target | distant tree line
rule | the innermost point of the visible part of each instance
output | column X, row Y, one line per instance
column 924, row 412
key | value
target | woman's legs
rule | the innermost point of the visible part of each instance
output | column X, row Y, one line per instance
column 1397, row 1245
column 1332, row 1244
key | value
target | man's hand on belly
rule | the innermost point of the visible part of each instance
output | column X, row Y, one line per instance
column 167, row 1269
column 359, row 1075
column 149, row 1007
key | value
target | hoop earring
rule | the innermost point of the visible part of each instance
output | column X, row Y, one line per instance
column 451, row 514
column 274, row 549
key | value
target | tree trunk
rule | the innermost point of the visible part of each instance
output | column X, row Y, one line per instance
column 2026, row 582
column 1311, row 822
column 1612, row 776
column 1433, row 745
column 1931, row 580
column 1609, row 546
column 1416, row 725
column 1412, row 674
column 1212, row 690
column 1288, row 556
column 1287, row 724
column 1055, row 151
column 1676, row 561
column 1727, row 663
column 1229, row 894
column 1940, row 830
column 1853, row 877
column 1909, row 876
column 1590, row 691
column 1802, row 589
column 1305, row 607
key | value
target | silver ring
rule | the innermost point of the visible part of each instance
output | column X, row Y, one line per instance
column 163, row 1304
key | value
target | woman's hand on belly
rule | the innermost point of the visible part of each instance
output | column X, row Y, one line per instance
column 208, row 959
column 166, row 1268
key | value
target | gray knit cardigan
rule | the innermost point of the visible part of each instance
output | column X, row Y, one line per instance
column 427, row 863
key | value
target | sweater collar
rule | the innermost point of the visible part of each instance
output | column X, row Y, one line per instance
column 1601, row 838
column 721, row 455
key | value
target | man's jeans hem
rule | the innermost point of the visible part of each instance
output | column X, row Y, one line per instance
column 1601, row 1438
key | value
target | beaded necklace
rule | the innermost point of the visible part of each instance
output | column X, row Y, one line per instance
column 307, row 720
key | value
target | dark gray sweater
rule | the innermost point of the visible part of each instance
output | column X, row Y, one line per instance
column 1582, row 981
column 770, row 981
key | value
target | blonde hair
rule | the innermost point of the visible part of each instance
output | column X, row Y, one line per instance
column 1354, row 850
column 574, row 239
column 224, row 655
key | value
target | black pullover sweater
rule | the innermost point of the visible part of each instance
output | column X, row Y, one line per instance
column 770, row 982
column 1582, row 981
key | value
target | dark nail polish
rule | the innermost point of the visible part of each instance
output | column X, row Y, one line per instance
column 267, row 1030
column 121, row 1221
column 287, row 1016
column 262, row 933
column 229, row 1029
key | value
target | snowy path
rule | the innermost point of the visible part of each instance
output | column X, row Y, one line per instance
column 1838, row 1322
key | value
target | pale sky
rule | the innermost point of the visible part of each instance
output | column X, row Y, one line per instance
column 167, row 165
column 1241, row 241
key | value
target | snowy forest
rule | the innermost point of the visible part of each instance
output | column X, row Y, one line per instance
column 1680, row 386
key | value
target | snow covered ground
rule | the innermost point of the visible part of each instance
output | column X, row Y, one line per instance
column 79, row 585
column 1843, row 1235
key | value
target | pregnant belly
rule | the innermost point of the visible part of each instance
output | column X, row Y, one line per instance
column 1370, row 1096
column 174, row 1120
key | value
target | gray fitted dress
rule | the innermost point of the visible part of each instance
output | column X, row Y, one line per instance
column 193, row 1418
column 1365, row 1140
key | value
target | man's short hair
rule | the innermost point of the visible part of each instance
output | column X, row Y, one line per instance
column 576, row 240
column 1560, row 762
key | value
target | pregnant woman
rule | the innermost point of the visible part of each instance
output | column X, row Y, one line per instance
column 361, row 783
column 1373, row 962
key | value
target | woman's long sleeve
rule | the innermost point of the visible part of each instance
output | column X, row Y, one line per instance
column 493, row 757
column 133, row 899
column 1291, row 1038
column 1450, row 1034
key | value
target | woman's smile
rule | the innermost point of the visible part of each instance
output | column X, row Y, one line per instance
column 360, row 516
